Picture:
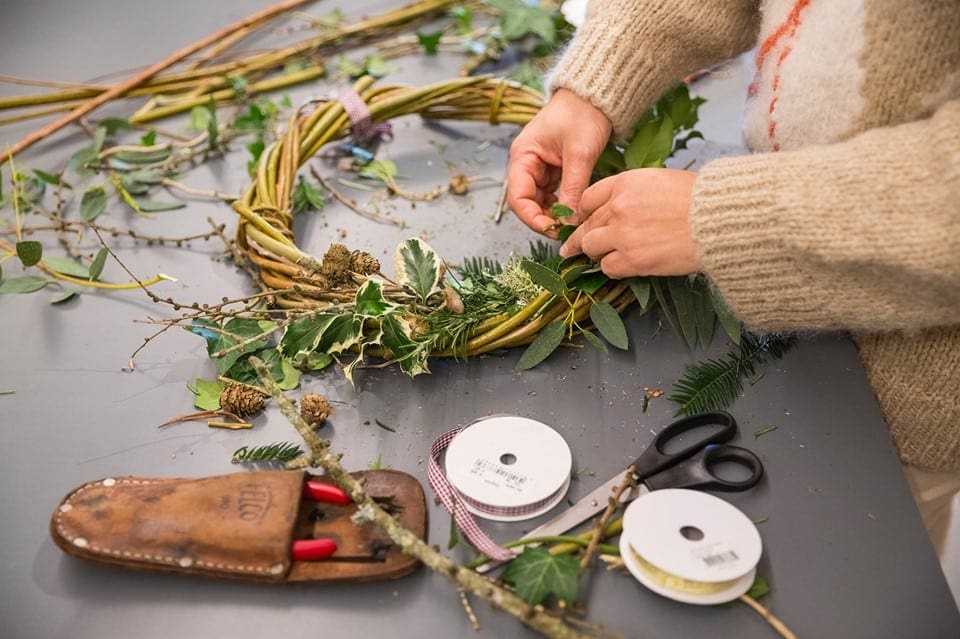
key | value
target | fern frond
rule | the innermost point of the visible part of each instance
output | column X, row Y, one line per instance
column 479, row 269
column 278, row 452
column 714, row 384
column 545, row 253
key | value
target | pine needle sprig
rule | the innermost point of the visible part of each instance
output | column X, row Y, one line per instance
column 545, row 253
column 278, row 452
column 479, row 269
column 713, row 384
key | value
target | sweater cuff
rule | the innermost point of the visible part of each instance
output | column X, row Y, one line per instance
column 738, row 224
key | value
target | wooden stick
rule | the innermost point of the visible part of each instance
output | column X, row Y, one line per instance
column 121, row 88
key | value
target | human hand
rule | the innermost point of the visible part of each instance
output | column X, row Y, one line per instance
column 636, row 223
column 558, row 148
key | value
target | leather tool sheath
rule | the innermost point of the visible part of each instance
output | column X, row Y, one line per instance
column 237, row 526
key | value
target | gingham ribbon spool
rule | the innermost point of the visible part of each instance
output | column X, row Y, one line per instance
column 454, row 502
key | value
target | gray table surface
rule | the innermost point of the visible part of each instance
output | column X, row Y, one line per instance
column 844, row 549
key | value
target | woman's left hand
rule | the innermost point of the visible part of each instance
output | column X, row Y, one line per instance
column 636, row 223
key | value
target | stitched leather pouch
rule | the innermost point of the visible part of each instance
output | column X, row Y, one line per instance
column 239, row 526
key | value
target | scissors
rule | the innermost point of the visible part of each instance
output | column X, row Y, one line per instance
column 656, row 468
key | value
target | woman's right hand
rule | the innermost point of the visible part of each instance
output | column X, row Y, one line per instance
column 557, row 149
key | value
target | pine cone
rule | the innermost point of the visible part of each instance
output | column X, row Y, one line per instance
column 336, row 264
column 314, row 409
column 241, row 400
column 459, row 184
column 364, row 263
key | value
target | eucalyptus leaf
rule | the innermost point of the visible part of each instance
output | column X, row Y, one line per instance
column 418, row 267
column 608, row 322
column 67, row 266
column 49, row 178
column 545, row 277
column 152, row 206
column 144, row 156
column 93, row 203
column 23, row 284
column 64, row 296
column 96, row 266
column 546, row 341
column 29, row 252
column 79, row 160
column 640, row 287
column 596, row 342
column 682, row 295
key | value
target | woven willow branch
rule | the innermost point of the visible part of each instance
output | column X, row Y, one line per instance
column 265, row 232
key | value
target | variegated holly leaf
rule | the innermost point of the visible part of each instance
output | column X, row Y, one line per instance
column 418, row 267
column 407, row 352
column 370, row 301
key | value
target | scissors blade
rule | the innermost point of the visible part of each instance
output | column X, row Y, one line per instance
column 588, row 506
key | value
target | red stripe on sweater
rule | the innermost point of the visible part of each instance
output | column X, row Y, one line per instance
column 787, row 28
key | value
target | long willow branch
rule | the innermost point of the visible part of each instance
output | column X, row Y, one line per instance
column 466, row 579
column 119, row 89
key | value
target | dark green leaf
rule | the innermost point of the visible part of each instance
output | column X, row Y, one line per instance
column 545, row 277
column 454, row 537
column 705, row 315
column 96, row 266
column 23, row 284
column 49, row 178
column 546, row 341
column 429, row 41
column 29, row 252
column 591, row 282
column 728, row 320
column 641, row 290
column 536, row 574
column 760, row 588
column 682, row 296
column 236, row 330
column 67, row 266
column 596, row 342
column 608, row 322
column 307, row 197
column 93, row 203
column 565, row 231
column 661, row 145
column 418, row 267
column 636, row 152
column 112, row 125
column 384, row 426
column 657, row 283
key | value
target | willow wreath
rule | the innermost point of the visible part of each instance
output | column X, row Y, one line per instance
column 342, row 305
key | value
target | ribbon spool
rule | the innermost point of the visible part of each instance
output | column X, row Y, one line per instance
column 508, row 468
column 690, row 546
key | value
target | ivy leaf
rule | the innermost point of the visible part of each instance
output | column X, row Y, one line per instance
column 96, row 266
column 545, row 277
column 23, row 284
column 149, row 138
column 536, row 574
column 290, row 378
column 418, row 267
column 608, row 322
column 29, row 252
column 199, row 118
column 429, row 41
column 379, row 170
column 546, row 341
column 66, row 266
column 517, row 19
column 207, row 393
column 93, row 203
column 377, row 66
column 236, row 330
column 307, row 197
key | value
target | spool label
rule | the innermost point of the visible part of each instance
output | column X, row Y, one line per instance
column 498, row 476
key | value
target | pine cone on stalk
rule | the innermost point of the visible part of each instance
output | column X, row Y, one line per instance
column 363, row 263
column 241, row 400
column 314, row 409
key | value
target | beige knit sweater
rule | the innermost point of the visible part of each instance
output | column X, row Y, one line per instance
column 848, row 214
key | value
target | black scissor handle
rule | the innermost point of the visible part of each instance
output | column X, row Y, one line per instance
column 698, row 471
column 654, row 459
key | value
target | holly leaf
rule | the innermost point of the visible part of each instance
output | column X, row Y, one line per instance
column 546, row 341
column 536, row 574
column 369, row 300
column 302, row 335
column 418, row 267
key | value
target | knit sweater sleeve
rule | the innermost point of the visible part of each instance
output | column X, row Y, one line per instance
column 629, row 52
column 862, row 234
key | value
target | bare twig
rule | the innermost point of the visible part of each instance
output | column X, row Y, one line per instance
column 601, row 522
column 352, row 205
column 768, row 616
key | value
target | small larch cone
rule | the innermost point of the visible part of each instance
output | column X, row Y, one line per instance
column 314, row 409
column 364, row 263
column 241, row 400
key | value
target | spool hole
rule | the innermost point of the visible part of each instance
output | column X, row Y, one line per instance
column 508, row 459
column 691, row 533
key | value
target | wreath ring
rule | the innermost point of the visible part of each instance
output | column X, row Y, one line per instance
column 301, row 282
